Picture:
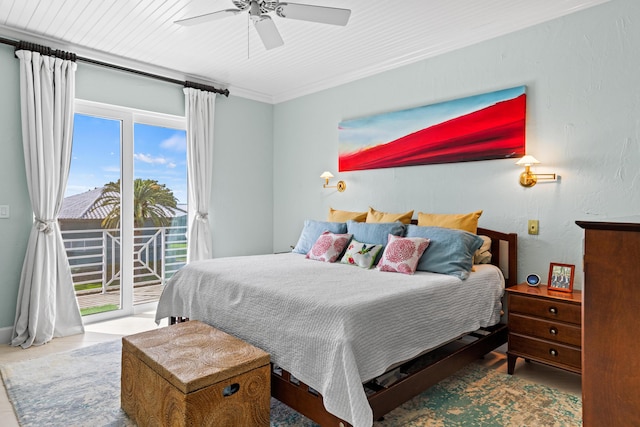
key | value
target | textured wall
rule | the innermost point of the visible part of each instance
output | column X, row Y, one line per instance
column 581, row 73
column 14, row 231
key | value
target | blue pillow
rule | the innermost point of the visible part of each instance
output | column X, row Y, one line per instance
column 312, row 230
column 450, row 251
column 374, row 233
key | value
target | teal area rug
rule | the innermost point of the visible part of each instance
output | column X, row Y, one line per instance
column 82, row 388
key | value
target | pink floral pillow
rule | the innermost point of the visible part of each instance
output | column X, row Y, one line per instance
column 402, row 254
column 328, row 247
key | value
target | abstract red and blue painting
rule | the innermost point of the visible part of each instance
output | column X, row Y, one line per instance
column 481, row 127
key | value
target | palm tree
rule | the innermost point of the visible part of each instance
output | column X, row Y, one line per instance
column 151, row 201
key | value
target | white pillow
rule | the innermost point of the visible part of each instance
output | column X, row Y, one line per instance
column 328, row 247
column 361, row 254
column 401, row 255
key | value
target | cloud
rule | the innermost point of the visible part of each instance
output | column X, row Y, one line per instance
column 176, row 142
column 159, row 160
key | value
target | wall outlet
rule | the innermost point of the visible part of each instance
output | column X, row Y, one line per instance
column 4, row 211
column 533, row 226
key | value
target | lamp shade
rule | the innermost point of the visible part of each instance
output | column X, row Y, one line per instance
column 527, row 161
column 326, row 175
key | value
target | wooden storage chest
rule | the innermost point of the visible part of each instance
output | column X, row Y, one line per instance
column 191, row 374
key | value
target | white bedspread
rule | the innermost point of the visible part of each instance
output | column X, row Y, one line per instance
column 333, row 326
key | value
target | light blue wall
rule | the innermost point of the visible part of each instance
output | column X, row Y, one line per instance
column 582, row 74
column 242, row 198
column 14, row 231
column 99, row 84
column 243, row 164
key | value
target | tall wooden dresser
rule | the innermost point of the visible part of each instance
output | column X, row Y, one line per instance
column 611, row 323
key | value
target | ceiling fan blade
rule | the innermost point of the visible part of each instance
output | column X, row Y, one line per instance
column 307, row 12
column 208, row 17
column 268, row 32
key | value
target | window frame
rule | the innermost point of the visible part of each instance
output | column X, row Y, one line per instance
column 129, row 117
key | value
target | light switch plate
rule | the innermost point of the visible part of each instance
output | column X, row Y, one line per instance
column 4, row 211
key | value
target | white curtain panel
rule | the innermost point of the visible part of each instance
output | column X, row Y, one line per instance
column 47, row 305
column 200, row 108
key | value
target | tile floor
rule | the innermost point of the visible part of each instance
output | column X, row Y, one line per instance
column 114, row 329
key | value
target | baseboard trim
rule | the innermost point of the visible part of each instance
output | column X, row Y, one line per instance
column 5, row 334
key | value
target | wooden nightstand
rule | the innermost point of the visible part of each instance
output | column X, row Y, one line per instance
column 544, row 326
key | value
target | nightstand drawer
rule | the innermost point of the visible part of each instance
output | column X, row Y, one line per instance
column 542, row 350
column 546, row 329
column 555, row 310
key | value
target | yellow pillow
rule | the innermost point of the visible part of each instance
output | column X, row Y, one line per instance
column 467, row 222
column 376, row 216
column 343, row 216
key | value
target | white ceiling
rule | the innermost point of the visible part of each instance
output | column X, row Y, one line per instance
column 380, row 35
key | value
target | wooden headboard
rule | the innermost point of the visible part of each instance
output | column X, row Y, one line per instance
column 504, row 252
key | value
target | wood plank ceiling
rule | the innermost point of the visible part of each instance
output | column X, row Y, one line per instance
column 380, row 35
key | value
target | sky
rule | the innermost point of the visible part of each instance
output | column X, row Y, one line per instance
column 357, row 134
column 159, row 153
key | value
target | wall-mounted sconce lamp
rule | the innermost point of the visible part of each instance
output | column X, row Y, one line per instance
column 326, row 175
column 528, row 178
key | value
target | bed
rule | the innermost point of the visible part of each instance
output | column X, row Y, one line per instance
column 334, row 330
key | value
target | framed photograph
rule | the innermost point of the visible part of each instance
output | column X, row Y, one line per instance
column 561, row 277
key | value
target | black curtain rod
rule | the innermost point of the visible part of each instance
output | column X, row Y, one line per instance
column 73, row 57
column 44, row 50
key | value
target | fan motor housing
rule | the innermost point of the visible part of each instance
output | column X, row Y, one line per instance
column 266, row 6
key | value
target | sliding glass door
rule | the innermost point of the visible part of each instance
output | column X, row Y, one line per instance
column 124, row 216
column 159, row 207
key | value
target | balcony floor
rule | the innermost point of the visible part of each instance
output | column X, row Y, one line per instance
column 141, row 295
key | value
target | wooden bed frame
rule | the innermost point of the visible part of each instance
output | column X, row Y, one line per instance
column 418, row 374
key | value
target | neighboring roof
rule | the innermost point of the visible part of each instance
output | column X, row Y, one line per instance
column 78, row 206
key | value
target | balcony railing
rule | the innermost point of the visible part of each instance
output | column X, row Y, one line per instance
column 94, row 256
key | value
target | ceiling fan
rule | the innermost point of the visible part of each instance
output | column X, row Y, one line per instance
column 264, row 25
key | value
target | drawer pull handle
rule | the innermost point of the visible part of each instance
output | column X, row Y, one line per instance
column 553, row 310
column 553, row 331
column 553, row 352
